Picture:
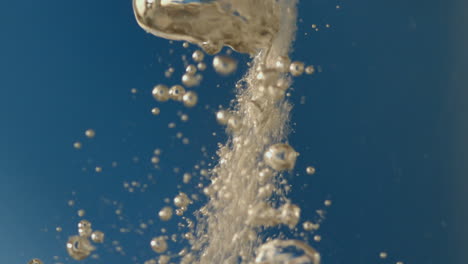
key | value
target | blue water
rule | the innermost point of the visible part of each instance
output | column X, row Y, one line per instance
column 384, row 123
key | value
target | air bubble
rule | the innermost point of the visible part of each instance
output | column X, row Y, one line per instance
column 84, row 228
column 35, row 261
column 187, row 177
column 383, row 255
column 163, row 259
column 222, row 116
column 310, row 70
column 309, row 226
column 296, row 68
column 280, row 157
column 168, row 73
column 282, row 64
column 211, row 47
column 158, row 244
column 90, row 133
column 77, row 145
column 234, row 123
column 184, row 118
column 81, row 212
column 290, row 214
column 310, row 170
column 176, row 92
column 201, row 66
column 198, row 56
column 161, row 93
column 150, row 261
column 191, row 69
column 191, row 80
column 155, row 111
column 165, row 214
column 181, row 200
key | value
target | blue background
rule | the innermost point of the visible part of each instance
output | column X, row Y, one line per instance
column 385, row 124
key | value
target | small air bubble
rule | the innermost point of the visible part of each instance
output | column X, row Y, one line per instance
column 190, row 80
column 224, row 65
column 281, row 157
column 383, row 255
column 159, row 244
column 198, row 56
column 155, row 111
column 81, row 212
column 296, row 68
column 97, row 237
column 90, row 133
column 201, row 66
column 35, row 261
column 310, row 170
column 310, row 70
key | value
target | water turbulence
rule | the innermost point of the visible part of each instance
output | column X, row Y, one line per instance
column 246, row 194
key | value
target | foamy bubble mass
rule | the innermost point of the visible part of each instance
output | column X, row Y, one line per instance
column 247, row 193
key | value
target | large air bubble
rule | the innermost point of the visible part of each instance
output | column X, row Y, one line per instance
column 247, row 26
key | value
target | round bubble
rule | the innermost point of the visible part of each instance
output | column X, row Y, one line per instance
column 79, row 247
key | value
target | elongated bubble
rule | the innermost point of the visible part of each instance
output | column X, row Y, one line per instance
column 246, row 26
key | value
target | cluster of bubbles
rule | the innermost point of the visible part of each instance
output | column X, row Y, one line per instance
column 246, row 193
column 134, row 186
column 80, row 246
column 286, row 251
column 177, row 93
column 222, row 64
column 248, row 185
column 35, row 261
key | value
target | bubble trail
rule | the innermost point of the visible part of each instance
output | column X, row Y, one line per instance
column 244, row 182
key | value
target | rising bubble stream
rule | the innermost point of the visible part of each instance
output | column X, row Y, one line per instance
column 246, row 194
